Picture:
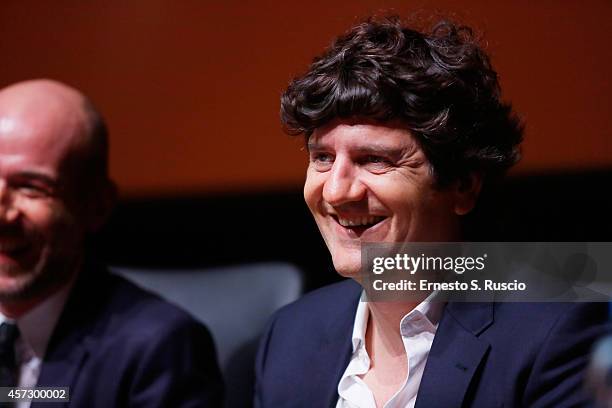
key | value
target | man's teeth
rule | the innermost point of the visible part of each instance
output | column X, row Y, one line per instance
column 359, row 221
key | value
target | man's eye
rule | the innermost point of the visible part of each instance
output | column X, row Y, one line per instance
column 373, row 159
column 322, row 158
column 33, row 191
column 321, row 161
column 376, row 163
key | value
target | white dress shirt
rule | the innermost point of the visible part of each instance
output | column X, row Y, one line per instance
column 417, row 329
column 35, row 329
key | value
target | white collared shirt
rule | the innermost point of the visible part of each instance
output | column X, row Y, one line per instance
column 417, row 329
column 35, row 329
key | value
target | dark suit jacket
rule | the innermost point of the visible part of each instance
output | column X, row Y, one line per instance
column 116, row 345
column 483, row 355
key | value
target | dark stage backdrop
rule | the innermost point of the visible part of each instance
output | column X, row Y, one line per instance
column 210, row 230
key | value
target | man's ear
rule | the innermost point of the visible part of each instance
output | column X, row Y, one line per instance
column 467, row 190
column 102, row 205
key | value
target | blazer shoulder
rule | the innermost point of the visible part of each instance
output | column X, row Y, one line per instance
column 547, row 314
column 325, row 301
column 143, row 309
column 305, row 345
column 108, row 308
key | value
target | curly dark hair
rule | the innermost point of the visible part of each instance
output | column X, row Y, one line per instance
column 440, row 84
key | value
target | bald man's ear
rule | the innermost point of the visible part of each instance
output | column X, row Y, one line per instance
column 467, row 190
column 101, row 206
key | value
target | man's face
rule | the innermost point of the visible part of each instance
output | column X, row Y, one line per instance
column 41, row 234
column 373, row 183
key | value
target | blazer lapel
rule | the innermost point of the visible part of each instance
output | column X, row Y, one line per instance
column 335, row 352
column 64, row 356
column 455, row 355
column 69, row 344
column 60, row 370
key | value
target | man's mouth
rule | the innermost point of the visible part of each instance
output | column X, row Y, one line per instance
column 13, row 248
column 358, row 224
column 363, row 221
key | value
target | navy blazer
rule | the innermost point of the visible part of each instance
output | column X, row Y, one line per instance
column 483, row 355
column 117, row 345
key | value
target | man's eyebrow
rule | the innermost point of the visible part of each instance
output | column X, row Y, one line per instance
column 382, row 150
column 372, row 149
column 35, row 175
column 314, row 146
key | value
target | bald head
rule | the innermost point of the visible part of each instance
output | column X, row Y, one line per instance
column 44, row 105
column 61, row 121
column 54, row 188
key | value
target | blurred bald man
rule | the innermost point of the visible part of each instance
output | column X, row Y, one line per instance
column 65, row 321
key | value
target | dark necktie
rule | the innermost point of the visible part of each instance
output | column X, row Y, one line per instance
column 8, row 364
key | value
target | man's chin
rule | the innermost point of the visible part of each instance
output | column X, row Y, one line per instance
column 15, row 286
column 348, row 268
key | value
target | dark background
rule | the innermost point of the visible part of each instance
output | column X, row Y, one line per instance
column 211, row 230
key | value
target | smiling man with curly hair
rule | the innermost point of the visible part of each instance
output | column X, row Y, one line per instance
column 404, row 130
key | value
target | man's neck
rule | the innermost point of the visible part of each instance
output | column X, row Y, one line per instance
column 383, row 330
column 14, row 309
column 383, row 341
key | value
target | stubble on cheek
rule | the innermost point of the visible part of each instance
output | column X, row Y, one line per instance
column 15, row 282
column 53, row 255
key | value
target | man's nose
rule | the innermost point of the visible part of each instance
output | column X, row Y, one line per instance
column 343, row 184
column 8, row 212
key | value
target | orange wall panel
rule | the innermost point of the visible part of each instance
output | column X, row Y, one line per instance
column 191, row 89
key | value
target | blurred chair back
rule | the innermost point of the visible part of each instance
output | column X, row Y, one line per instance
column 234, row 302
